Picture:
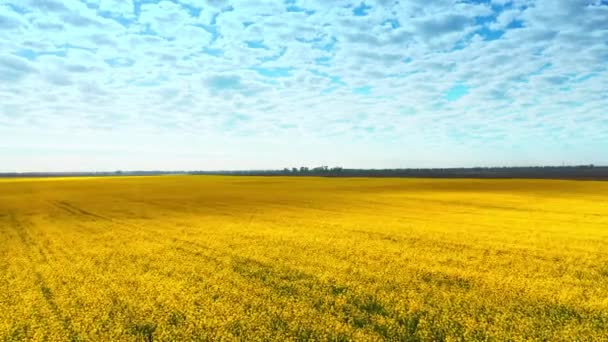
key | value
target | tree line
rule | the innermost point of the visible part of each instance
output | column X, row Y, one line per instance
column 588, row 172
column 553, row 172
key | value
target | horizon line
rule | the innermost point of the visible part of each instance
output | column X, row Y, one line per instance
column 289, row 169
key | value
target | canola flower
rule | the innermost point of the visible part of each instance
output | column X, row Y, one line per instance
column 174, row 258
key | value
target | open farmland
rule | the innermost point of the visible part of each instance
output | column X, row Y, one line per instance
column 280, row 258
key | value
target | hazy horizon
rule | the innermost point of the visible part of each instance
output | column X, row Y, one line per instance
column 109, row 85
column 310, row 168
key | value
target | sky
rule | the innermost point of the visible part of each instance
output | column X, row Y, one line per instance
column 100, row 85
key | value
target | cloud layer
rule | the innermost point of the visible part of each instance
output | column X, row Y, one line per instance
column 250, row 84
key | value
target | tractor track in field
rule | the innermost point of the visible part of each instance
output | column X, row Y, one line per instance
column 77, row 211
column 49, row 298
column 30, row 247
column 150, row 233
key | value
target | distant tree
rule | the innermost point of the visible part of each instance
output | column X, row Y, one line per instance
column 294, row 169
column 303, row 169
column 320, row 169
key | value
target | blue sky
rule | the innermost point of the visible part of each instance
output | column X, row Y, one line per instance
column 217, row 84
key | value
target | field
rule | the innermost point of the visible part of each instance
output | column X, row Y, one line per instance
column 279, row 258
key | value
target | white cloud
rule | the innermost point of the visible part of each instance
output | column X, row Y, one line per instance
column 14, row 68
column 504, row 19
column 121, row 8
column 165, row 18
column 263, row 75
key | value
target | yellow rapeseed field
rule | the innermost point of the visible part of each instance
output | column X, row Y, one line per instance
column 278, row 258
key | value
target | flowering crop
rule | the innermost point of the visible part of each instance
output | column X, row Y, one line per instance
column 302, row 258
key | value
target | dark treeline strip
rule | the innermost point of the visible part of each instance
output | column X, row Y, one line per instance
column 582, row 172
column 587, row 172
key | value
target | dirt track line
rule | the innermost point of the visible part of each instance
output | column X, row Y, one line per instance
column 32, row 246
column 49, row 298
column 74, row 210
